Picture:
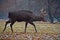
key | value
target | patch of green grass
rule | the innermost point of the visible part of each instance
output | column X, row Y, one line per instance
column 41, row 27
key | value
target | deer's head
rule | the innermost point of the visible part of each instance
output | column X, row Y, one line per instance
column 43, row 14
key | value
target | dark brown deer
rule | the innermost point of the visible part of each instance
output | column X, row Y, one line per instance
column 23, row 15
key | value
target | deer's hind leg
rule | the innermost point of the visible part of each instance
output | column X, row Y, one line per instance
column 12, row 22
column 25, row 26
column 6, row 25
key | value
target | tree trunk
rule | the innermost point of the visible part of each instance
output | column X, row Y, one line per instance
column 49, row 12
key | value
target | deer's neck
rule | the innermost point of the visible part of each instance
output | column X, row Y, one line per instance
column 37, row 18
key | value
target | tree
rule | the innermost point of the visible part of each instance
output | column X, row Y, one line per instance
column 56, row 6
column 49, row 12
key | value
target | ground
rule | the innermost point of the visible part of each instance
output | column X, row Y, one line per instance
column 46, row 31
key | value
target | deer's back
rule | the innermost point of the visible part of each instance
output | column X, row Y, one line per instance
column 22, row 15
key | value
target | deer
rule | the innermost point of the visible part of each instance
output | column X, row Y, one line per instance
column 24, row 15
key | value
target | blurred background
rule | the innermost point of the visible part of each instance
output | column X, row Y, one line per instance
column 51, row 6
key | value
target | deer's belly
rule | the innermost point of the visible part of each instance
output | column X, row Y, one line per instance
column 20, row 20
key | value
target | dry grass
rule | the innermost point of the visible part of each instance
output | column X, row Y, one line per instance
column 43, row 28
